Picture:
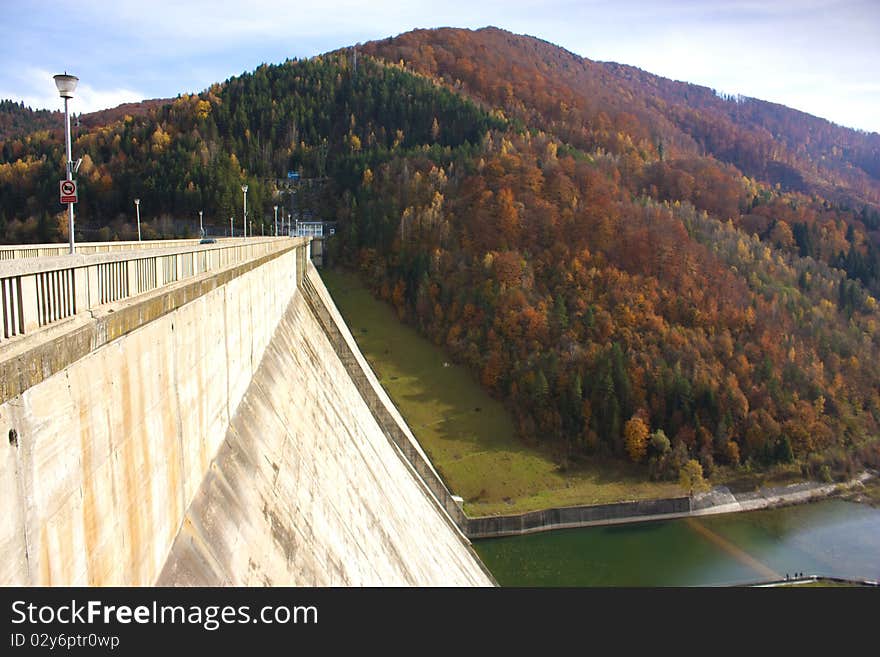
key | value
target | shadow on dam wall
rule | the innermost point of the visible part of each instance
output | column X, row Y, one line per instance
column 217, row 438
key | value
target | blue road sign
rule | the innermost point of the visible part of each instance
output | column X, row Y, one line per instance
column 293, row 175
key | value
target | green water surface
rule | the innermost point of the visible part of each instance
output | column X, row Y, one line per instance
column 831, row 538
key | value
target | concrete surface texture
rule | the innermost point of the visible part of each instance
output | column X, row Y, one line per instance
column 104, row 455
column 384, row 410
column 307, row 490
column 210, row 437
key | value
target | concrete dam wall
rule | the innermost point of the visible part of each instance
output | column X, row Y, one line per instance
column 206, row 432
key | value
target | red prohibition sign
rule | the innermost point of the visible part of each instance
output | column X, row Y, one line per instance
column 68, row 191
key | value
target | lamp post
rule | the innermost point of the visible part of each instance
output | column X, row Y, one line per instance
column 201, row 227
column 244, row 189
column 275, row 207
column 231, row 229
column 288, row 223
column 137, row 207
column 66, row 85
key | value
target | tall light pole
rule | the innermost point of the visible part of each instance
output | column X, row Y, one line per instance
column 201, row 228
column 244, row 190
column 231, row 229
column 288, row 224
column 137, row 207
column 275, row 207
column 66, row 85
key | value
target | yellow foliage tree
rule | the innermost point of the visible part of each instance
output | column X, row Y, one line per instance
column 690, row 477
column 731, row 452
column 635, row 433
column 160, row 140
column 203, row 108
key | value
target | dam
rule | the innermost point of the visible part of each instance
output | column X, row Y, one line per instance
column 187, row 414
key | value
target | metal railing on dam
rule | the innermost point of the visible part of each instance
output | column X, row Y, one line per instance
column 16, row 251
column 37, row 290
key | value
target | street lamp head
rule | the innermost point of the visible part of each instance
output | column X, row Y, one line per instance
column 137, row 201
column 66, row 84
column 275, row 207
column 244, row 188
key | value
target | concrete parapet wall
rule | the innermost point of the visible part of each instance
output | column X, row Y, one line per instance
column 113, row 421
column 716, row 501
column 576, row 516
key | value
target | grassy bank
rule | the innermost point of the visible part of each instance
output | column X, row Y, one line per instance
column 468, row 435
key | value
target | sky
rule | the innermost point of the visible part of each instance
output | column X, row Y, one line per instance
column 818, row 56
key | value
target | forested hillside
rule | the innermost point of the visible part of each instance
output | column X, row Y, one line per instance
column 629, row 112
column 661, row 131
column 195, row 152
column 17, row 120
column 636, row 266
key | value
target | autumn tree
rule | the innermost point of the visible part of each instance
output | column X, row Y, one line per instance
column 635, row 433
column 690, row 477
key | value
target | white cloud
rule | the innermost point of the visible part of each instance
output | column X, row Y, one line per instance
column 36, row 88
column 91, row 99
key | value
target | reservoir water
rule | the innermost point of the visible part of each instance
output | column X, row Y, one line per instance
column 832, row 538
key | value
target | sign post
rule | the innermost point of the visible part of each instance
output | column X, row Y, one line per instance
column 66, row 84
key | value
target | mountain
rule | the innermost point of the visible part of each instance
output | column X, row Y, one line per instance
column 636, row 266
column 588, row 102
column 683, row 133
